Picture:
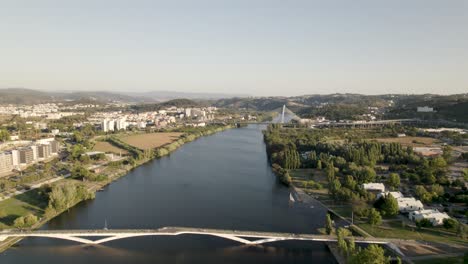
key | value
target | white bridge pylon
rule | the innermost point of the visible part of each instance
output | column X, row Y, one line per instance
column 81, row 236
column 286, row 111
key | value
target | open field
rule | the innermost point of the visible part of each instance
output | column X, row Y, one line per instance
column 409, row 141
column 394, row 229
column 107, row 147
column 150, row 140
column 20, row 205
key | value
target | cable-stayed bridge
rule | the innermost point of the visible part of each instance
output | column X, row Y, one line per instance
column 285, row 116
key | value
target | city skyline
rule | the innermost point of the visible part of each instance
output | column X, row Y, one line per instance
column 259, row 49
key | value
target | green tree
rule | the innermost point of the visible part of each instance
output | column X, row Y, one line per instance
column 450, row 223
column 30, row 220
column 374, row 218
column 461, row 230
column 19, row 222
column 437, row 190
column 393, row 181
column 334, row 188
column 423, row 223
column 342, row 244
column 350, row 182
column 77, row 137
column 389, row 206
column 4, row 135
column 372, row 254
column 438, row 162
column 328, row 225
column 77, row 151
column 423, row 194
column 330, row 172
column 79, row 172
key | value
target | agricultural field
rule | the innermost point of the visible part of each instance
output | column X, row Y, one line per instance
column 151, row 140
column 107, row 147
column 409, row 141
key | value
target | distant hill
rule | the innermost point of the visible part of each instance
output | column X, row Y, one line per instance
column 168, row 95
column 29, row 96
column 98, row 96
column 259, row 104
column 24, row 96
column 448, row 107
column 179, row 103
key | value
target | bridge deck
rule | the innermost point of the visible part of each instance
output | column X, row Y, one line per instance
column 230, row 234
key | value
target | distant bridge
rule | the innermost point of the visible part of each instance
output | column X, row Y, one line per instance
column 365, row 124
column 106, row 235
column 283, row 111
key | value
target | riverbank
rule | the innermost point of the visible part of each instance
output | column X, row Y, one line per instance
column 125, row 169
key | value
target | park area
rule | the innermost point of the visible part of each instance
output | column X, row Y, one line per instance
column 409, row 141
column 20, row 205
column 151, row 140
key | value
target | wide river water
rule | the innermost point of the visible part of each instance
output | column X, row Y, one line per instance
column 219, row 181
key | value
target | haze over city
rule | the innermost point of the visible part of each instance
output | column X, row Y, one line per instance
column 242, row 47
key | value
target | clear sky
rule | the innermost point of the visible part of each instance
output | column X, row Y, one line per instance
column 271, row 47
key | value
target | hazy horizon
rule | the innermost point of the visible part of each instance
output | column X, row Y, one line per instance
column 256, row 48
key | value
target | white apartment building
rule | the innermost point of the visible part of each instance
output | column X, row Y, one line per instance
column 6, row 162
column 121, row 124
column 188, row 112
column 24, row 156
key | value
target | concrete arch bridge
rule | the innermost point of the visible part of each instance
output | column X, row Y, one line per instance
column 243, row 237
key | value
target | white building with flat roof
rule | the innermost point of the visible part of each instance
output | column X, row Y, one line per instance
column 395, row 195
column 373, row 186
column 409, row 204
column 433, row 215
column 425, row 109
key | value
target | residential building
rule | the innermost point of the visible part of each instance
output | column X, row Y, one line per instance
column 26, row 155
column 374, row 187
column 54, row 147
column 395, row 195
column 433, row 215
column 188, row 112
column 43, row 151
column 409, row 204
column 15, row 157
column 6, row 162
column 121, row 124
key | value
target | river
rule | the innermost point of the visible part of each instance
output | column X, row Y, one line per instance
column 219, row 181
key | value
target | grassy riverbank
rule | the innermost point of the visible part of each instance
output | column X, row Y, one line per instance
column 35, row 202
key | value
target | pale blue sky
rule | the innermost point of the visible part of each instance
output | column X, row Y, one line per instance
column 271, row 47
